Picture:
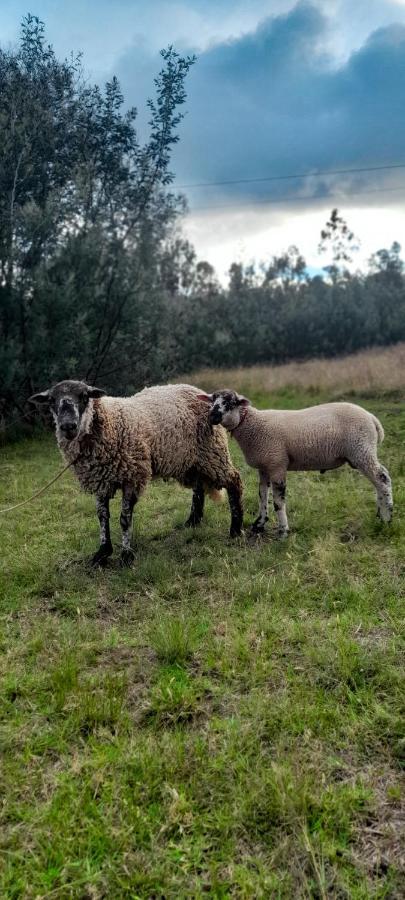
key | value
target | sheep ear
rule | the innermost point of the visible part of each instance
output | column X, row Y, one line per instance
column 95, row 392
column 243, row 401
column 206, row 397
column 43, row 397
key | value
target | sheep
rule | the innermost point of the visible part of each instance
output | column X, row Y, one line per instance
column 320, row 437
column 123, row 442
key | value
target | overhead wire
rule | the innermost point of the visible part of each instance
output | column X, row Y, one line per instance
column 288, row 176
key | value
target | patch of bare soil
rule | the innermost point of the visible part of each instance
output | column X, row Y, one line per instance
column 379, row 845
column 378, row 638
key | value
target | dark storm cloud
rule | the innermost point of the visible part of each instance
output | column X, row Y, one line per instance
column 274, row 102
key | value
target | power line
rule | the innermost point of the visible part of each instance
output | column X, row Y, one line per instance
column 276, row 200
column 201, row 184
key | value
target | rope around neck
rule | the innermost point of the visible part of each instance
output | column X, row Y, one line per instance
column 41, row 490
column 242, row 419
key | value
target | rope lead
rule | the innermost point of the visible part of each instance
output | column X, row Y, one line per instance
column 38, row 493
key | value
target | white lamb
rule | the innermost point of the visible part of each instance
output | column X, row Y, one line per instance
column 317, row 438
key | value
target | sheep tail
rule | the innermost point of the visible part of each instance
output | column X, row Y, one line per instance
column 217, row 496
column 379, row 429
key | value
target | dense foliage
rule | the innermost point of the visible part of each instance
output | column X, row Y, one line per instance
column 96, row 280
column 84, row 207
column 278, row 312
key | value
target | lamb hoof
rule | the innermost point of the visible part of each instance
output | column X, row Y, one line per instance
column 236, row 532
column 100, row 559
column 127, row 558
column 385, row 515
column 283, row 534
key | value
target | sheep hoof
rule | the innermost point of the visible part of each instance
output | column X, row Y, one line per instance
column 257, row 528
column 127, row 558
column 235, row 532
column 283, row 534
column 192, row 523
column 100, row 558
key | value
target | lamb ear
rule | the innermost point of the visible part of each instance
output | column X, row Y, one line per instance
column 95, row 392
column 243, row 401
column 206, row 397
column 43, row 397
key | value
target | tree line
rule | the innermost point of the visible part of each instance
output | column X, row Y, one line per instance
column 96, row 279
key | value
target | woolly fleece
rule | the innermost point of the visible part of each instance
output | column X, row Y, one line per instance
column 162, row 431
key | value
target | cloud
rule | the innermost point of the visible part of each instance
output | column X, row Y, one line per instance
column 304, row 88
column 107, row 31
column 274, row 101
column 256, row 235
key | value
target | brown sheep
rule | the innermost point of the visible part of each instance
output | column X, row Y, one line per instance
column 123, row 442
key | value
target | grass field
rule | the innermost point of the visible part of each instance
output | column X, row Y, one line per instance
column 224, row 720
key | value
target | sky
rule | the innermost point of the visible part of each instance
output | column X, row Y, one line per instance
column 279, row 89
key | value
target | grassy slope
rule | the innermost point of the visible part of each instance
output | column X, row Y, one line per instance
column 223, row 720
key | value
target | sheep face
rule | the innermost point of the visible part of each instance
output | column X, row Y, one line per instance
column 226, row 408
column 68, row 402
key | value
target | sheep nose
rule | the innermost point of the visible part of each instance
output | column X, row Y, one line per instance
column 68, row 429
column 215, row 417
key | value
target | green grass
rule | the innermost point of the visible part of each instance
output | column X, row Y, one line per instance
column 226, row 719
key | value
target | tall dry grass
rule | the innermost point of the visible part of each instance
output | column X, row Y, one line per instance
column 378, row 369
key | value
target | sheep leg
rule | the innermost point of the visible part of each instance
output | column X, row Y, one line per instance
column 234, row 491
column 129, row 499
column 278, row 490
column 380, row 478
column 384, row 494
column 262, row 518
column 197, row 505
column 105, row 550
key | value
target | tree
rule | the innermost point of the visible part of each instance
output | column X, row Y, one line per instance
column 386, row 285
column 82, row 202
column 387, row 264
column 288, row 268
column 337, row 237
column 178, row 265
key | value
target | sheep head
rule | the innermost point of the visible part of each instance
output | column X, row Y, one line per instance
column 226, row 408
column 68, row 402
